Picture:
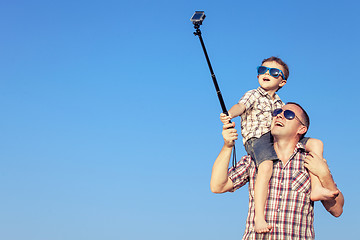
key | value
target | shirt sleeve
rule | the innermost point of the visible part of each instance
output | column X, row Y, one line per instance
column 248, row 99
column 240, row 174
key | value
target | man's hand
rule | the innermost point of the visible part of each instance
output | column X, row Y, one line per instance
column 229, row 134
column 220, row 181
column 225, row 118
column 316, row 165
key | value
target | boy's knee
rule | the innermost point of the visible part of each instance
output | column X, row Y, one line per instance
column 318, row 143
column 315, row 145
column 266, row 166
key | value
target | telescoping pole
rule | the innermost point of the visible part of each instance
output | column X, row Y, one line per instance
column 197, row 20
column 218, row 92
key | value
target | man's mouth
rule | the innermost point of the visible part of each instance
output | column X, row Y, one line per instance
column 277, row 123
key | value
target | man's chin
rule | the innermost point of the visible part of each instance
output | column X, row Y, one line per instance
column 276, row 132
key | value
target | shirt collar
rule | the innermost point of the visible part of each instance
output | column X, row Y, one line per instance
column 298, row 148
column 299, row 145
column 264, row 93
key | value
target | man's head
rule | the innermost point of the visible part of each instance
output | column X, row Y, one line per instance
column 267, row 79
column 291, row 121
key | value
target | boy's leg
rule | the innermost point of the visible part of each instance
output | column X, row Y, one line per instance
column 318, row 192
column 260, row 195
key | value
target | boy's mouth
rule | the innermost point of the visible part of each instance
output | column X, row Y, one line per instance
column 266, row 79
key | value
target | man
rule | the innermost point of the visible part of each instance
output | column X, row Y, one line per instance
column 289, row 210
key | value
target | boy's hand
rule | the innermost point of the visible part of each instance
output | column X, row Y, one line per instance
column 229, row 134
column 224, row 118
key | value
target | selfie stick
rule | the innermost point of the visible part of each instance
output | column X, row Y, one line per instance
column 198, row 33
column 197, row 20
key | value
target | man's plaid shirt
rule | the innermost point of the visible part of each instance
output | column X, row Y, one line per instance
column 288, row 208
column 256, row 120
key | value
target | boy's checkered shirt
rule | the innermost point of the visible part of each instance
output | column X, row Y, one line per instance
column 256, row 120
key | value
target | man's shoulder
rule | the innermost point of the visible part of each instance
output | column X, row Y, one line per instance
column 245, row 161
column 242, row 172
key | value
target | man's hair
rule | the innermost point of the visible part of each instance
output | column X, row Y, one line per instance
column 281, row 62
column 304, row 117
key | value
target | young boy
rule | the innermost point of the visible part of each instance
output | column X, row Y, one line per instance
column 256, row 108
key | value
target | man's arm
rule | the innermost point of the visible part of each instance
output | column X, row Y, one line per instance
column 319, row 167
column 333, row 206
column 220, row 182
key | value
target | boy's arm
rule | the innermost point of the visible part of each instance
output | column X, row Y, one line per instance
column 220, row 182
column 320, row 168
column 237, row 110
column 234, row 112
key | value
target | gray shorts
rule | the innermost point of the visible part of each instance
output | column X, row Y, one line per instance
column 262, row 148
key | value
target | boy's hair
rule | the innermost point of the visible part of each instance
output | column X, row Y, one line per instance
column 304, row 117
column 281, row 62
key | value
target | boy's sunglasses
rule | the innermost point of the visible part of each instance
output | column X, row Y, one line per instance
column 275, row 72
column 288, row 114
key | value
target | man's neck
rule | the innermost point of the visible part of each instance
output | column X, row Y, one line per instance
column 285, row 148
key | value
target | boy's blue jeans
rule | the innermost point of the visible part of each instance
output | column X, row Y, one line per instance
column 262, row 149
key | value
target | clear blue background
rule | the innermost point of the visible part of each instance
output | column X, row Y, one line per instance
column 110, row 122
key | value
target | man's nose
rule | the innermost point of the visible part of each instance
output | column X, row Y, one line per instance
column 280, row 115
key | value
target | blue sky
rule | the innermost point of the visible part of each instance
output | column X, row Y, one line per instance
column 110, row 122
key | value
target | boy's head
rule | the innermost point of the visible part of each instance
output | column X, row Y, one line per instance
column 268, row 77
column 280, row 62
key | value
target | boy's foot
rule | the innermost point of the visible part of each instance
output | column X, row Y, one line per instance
column 261, row 226
column 323, row 194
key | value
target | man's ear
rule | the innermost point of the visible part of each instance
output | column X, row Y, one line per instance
column 302, row 130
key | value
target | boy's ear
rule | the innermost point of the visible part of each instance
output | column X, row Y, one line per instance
column 282, row 83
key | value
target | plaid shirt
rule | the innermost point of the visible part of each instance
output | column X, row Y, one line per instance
column 288, row 208
column 256, row 120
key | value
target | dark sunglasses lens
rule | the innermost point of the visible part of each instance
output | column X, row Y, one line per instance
column 274, row 72
column 276, row 112
column 289, row 114
column 262, row 70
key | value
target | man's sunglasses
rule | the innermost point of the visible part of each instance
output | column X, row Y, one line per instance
column 288, row 114
column 275, row 72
